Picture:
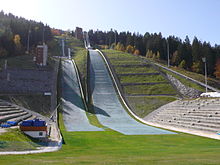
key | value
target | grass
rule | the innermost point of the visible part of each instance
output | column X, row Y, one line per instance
column 211, row 81
column 124, row 70
column 199, row 77
column 125, row 62
column 110, row 147
column 74, row 42
column 142, row 78
column 186, row 82
column 22, row 62
column 143, row 105
column 119, row 55
column 80, row 57
column 26, row 61
column 156, row 89
column 14, row 140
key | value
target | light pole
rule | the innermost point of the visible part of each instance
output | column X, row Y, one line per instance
column 168, row 56
column 63, row 47
column 204, row 60
column 115, row 37
column 43, row 35
column 28, row 41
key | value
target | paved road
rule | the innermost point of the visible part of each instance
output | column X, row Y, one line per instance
column 74, row 115
column 107, row 106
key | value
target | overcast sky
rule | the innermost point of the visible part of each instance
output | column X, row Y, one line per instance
column 170, row 17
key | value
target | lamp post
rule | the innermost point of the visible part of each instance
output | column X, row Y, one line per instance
column 168, row 56
column 115, row 37
column 28, row 41
column 204, row 60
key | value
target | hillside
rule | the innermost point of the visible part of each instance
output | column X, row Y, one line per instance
column 143, row 86
column 111, row 147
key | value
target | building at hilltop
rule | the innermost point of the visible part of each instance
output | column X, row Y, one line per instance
column 79, row 33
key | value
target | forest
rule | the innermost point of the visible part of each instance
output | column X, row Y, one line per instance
column 182, row 53
column 14, row 34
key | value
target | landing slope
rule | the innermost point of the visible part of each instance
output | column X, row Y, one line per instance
column 74, row 114
column 107, row 106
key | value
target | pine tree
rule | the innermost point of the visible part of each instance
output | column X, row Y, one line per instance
column 217, row 69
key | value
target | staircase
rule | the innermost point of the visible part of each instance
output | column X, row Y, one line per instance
column 199, row 114
column 11, row 115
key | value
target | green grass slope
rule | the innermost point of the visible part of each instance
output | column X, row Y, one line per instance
column 110, row 148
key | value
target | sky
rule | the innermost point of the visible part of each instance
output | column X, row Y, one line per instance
column 198, row 18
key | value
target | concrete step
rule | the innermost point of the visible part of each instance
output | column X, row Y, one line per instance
column 183, row 114
column 217, row 108
column 195, row 110
column 21, row 118
column 196, row 105
column 205, row 112
column 203, row 118
column 200, row 122
column 10, row 112
column 189, row 119
column 196, row 120
column 5, row 106
column 9, row 109
column 214, row 130
column 180, row 112
column 189, row 125
column 32, row 117
column 202, row 114
column 8, row 117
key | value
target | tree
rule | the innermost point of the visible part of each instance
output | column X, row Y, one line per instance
column 149, row 54
column 120, row 47
column 197, row 67
column 188, row 53
column 154, row 45
column 17, row 41
column 175, row 59
column 196, row 50
column 182, row 64
column 158, row 55
column 217, row 68
column 136, row 52
column 3, row 52
column 130, row 49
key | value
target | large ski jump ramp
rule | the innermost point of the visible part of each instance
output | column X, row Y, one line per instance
column 74, row 114
column 106, row 103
